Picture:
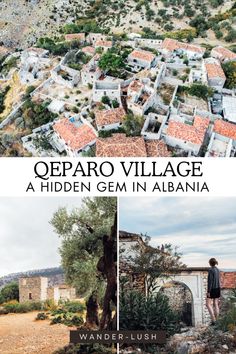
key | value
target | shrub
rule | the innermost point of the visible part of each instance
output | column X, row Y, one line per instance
column 228, row 321
column 74, row 306
column 41, row 316
column 138, row 312
column 9, row 292
column 68, row 319
column 200, row 91
column 16, row 307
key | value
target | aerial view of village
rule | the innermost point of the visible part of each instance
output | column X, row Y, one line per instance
column 115, row 78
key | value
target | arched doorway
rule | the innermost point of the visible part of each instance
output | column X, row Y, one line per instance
column 180, row 300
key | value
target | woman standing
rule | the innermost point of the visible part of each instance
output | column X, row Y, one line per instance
column 213, row 290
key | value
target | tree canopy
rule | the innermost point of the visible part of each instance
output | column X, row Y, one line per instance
column 88, row 253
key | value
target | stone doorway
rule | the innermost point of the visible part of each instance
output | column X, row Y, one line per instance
column 180, row 300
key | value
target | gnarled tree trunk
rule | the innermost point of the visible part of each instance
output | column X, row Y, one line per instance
column 110, row 273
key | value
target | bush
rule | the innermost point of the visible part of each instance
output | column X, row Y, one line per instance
column 228, row 322
column 201, row 91
column 41, row 316
column 16, row 307
column 84, row 349
column 138, row 312
column 9, row 292
column 74, row 306
column 68, row 319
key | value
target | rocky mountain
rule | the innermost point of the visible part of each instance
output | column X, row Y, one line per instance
column 55, row 275
column 23, row 22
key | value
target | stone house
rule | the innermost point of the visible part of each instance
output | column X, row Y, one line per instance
column 106, row 88
column 80, row 37
column 186, row 135
column 223, row 54
column 105, row 45
column 63, row 75
column 74, row 136
column 215, row 76
column 141, row 59
column 90, row 71
column 172, row 47
column 110, row 119
column 148, row 43
column 37, row 289
column 34, row 65
column 140, row 97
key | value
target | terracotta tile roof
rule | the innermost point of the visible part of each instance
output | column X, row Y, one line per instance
column 225, row 128
column 214, row 69
column 224, row 53
column 75, row 137
column 88, row 50
column 118, row 145
column 110, row 116
column 192, row 133
column 191, row 47
column 75, row 36
column 172, row 44
column 157, row 148
column 101, row 43
column 228, row 280
column 143, row 55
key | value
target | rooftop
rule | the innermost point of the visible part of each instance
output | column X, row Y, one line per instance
column 75, row 136
column 143, row 55
column 192, row 133
column 228, row 280
column 157, row 148
column 214, row 69
column 110, row 116
column 88, row 50
column 225, row 128
column 224, row 53
column 75, row 36
column 172, row 44
column 101, row 43
column 119, row 145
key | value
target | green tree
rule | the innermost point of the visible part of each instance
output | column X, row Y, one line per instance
column 111, row 61
column 9, row 292
column 230, row 72
column 154, row 262
column 133, row 124
column 201, row 91
column 88, row 253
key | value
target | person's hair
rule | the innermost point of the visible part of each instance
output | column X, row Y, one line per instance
column 213, row 262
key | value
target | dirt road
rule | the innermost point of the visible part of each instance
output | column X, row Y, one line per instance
column 20, row 333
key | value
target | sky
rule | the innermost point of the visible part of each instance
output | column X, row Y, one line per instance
column 27, row 240
column 201, row 227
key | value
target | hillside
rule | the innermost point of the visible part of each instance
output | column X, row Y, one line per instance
column 37, row 18
column 55, row 275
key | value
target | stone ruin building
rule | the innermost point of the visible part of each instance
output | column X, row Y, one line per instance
column 186, row 288
column 39, row 289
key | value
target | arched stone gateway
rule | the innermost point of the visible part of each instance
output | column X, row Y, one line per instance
column 180, row 299
column 195, row 279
